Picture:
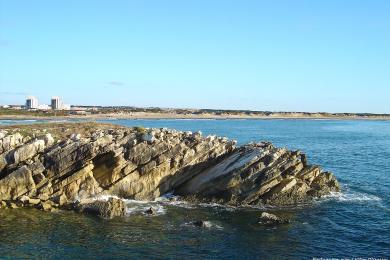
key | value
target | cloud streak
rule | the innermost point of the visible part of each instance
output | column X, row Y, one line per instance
column 116, row 83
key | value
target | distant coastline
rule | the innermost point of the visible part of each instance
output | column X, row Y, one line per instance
column 157, row 113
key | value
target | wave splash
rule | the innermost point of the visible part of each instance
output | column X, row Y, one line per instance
column 351, row 197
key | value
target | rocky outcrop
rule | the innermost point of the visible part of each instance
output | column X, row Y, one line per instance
column 269, row 219
column 75, row 162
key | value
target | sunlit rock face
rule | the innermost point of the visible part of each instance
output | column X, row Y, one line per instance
column 73, row 162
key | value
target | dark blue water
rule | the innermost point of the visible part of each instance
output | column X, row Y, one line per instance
column 355, row 223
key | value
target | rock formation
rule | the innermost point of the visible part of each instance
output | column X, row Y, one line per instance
column 269, row 219
column 57, row 165
column 110, row 208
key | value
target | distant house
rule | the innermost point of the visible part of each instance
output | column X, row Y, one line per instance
column 43, row 107
column 65, row 107
column 16, row 107
column 80, row 112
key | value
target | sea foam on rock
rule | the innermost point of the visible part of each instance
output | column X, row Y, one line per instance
column 90, row 160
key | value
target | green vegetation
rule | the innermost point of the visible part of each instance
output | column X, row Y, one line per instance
column 140, row 129
column 32, row 113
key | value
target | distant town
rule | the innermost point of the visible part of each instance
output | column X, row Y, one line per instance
column 55, row 104
column 33, row 109
column 32, row 104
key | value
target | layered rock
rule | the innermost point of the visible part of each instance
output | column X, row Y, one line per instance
column 136, row 163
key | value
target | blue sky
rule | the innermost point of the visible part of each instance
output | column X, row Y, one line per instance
column 325, row 55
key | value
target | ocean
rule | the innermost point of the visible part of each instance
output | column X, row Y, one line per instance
column 353, row 223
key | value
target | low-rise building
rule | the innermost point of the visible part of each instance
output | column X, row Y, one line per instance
column 43, row 107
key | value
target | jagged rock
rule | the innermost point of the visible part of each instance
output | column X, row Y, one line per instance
column 27, row 151
column 144, row 164
column 49, row 140
column 32, row 201
column 75, row 137
column 16, row 184
column 24, row 199
column 9, row 142
column 271, row 219
column 2, row 134
column 12, row 205
column 106, row 209
column 46, row 206
column 3, row 205
column 43, row 197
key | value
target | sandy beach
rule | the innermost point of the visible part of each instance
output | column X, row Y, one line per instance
column 204, row 116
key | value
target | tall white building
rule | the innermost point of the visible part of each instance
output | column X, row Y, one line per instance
column 56, row 103
column 31, row 102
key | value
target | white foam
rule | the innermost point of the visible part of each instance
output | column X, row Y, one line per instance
column 351, row 197
column 141, row 209
column 105, row 197
column 206, row 224
column 216, row 205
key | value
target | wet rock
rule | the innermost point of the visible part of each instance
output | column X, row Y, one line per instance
column 271, row 219
column 201, row 224
column 3, row 204
column 12, row 205
column 47, row 205
column 106, row 209
column 150, row 211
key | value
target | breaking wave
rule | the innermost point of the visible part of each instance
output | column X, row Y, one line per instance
column 351, row 197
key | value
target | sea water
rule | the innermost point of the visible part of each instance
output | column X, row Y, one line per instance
column 353, row 223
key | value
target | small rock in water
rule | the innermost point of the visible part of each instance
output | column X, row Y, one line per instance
column 150, row 211
column 13, row 205
column 271, row 219
column 201, row 224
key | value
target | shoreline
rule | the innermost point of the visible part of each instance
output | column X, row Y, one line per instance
column 167, row 116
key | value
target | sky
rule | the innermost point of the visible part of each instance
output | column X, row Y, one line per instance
column 323, row 55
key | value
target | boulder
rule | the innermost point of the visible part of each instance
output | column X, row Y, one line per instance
column 104, row 208
column 271, row 219
column 34, row 201
column 16, row 184
column 12, row 205
column 45, row 205
column 27, row 151
column 24, row 199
